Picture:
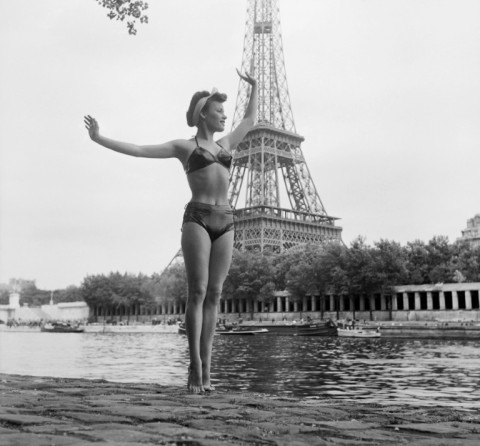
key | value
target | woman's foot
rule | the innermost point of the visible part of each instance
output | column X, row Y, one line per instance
column 194, row 382
column 207, row 385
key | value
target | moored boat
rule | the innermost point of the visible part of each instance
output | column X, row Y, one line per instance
column 319, row 328
column 182, row 329
column 242, row 332
column 61, row 327
column 357, row 333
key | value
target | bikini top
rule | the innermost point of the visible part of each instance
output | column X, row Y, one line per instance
column 201, row 158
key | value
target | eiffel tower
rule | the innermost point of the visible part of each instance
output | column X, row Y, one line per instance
column 271, row 151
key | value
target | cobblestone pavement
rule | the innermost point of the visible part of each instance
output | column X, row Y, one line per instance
column 51, row 411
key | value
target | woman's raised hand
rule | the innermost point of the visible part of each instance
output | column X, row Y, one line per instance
column 92, row 126
column 247, row 78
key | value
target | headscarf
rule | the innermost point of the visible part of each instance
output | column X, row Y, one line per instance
column 199, row 107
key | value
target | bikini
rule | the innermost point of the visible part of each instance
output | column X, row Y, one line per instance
column 215, row 219
column 201, row 158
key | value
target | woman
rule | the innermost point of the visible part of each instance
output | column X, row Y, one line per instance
column 207, row 231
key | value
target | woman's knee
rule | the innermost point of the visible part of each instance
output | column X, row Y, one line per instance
column 197, row 293
column 213, row 294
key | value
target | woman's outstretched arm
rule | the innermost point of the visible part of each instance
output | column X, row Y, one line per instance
column 171, row 149
column 234, row 138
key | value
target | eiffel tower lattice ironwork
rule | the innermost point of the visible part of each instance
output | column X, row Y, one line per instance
column 271, row 151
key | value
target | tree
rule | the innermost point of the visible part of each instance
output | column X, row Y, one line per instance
column 70, row 294
column 303, row 275
column 116, row 290
column 251, row 277
column 33, row 296
column 332, row 270
column 97, row 291
column 172, row 284
column 4, row 297
column 360, row 268
column 439, row 257
column 389, row 264
column 417, row 261
column 465, row 262
column 121, row 9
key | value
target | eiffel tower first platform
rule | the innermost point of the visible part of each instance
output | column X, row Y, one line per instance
column 271, row 152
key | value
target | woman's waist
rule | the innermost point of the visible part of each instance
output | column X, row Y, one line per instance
column 212, row 197
column 209, row 204
column 209, row 189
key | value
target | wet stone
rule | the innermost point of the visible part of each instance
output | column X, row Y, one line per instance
column 92, row 417
column 228, row 414
column 96, row 412
column 6, row 430
column 218, row 405
column 170, row 430
column 140, row 413
column 57, row 429
column 442, row 429
column 25, row 419
column 26, row 439
column 448, row 442
column 115, row 434
column 352, row 424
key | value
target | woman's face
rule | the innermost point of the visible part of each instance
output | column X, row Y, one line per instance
column 215, row 116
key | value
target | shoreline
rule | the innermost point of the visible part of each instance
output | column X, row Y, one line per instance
column 401, row 330
column 101, row 328
column 69, row 411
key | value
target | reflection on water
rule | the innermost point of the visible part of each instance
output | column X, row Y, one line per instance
column 372, row 370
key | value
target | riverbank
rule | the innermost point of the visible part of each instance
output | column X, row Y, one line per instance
column 428, row 330
column 54, row 411
column 101, row 328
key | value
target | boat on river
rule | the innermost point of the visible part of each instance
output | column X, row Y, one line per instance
column 220, row 329
column 319, row 328
column 61, row 327
column 357, row 333
column 242, row 332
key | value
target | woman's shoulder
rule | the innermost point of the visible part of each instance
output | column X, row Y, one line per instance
column 224, row 143
column 184, row 148
column 183, row 145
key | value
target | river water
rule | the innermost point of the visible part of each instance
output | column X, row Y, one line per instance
column 384, row 371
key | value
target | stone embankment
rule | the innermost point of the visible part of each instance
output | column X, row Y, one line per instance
column 51, row 411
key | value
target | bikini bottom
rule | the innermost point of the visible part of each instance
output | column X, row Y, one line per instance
column 215, row 219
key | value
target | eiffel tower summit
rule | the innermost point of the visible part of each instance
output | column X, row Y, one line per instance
column 269, row 167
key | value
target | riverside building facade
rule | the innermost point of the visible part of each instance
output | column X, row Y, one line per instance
column 472, row 233
column 436, row 302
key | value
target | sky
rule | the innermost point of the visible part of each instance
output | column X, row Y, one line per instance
column 385, row 93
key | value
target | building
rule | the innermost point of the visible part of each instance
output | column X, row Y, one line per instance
column 440, row 302
column 472, row 233
column 20, row 284
column 26, row 314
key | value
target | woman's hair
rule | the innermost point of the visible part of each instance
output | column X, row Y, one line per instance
column 219, row 97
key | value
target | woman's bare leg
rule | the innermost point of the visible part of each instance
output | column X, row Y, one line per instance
column 220, row 259
column 196, row 246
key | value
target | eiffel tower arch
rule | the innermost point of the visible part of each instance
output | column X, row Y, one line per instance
column 269, row 168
